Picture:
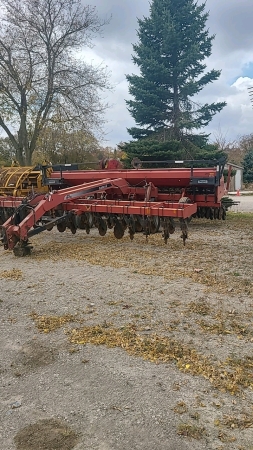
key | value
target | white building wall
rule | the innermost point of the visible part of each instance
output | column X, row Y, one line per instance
column 238, row 179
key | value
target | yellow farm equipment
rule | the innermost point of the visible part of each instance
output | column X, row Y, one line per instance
column 20, row 181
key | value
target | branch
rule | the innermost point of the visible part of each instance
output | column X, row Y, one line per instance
column 7, row 92
column 9, row 133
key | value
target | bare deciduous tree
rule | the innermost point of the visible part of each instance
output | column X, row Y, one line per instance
column 40, row 72
column 58, row 144
column 221, row 140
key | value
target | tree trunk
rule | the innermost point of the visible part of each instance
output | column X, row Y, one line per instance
column 20, row 155
column 22, row 133
column 28, row 156
column 176, row 112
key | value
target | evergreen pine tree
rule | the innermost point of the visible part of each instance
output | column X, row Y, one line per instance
column 173, row 44
column 248, row 167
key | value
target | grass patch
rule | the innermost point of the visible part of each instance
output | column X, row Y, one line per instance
column 159, row 349
column 246, row 362
column 223, row 327
column 241, row 421
column 228, row 376
column 46, row 324
column 225, row 438
column 239, row 215
column 13, row 274
column 180, row 408
column 108, row 252
column 200, row 307
column 191, row 431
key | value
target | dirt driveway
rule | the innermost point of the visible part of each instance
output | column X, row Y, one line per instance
column 120, row 345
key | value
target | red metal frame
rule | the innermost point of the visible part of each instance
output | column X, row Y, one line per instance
column 74, row 199
column 160, row 209
column 167, row 184
column 122, row 194
column 172, row 177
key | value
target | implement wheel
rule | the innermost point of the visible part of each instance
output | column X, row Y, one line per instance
column 184, row 229
column 22, row 249
column 118, row 230
column 102, row 227
column 154, row 224
column 110, row 222
column 61, row 227
column 138, row 225
column 208, row 213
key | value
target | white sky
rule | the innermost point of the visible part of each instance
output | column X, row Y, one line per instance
column 230, row 20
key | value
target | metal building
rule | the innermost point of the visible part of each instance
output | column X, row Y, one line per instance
column 236, row 182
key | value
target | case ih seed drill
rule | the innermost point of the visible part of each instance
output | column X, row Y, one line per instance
column 140, row 200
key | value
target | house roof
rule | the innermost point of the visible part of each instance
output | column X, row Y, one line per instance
column 233, row 165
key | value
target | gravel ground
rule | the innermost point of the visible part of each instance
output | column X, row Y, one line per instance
column 245, row 203
column 119, row 345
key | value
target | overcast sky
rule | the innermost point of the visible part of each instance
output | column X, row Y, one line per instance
column 232, row 23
